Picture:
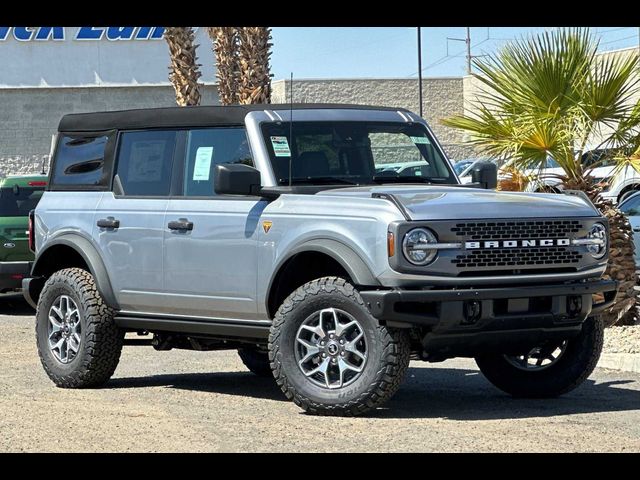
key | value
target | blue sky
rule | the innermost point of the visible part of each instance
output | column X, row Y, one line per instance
column 360, row 52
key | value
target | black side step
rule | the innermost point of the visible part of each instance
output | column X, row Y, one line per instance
column 216, row 328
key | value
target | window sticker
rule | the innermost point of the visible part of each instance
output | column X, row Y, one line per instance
column 145, row 162
column 420, row 140
column 202, row 167
column 280, row 146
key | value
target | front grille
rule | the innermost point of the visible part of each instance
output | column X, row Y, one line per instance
column 484, row 261
column 517, row 257
column 528, row 229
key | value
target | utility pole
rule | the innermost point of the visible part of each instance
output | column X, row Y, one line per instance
column 420, row 70
column 468, row 42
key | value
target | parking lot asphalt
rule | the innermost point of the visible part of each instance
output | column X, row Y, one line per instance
column 207, row 401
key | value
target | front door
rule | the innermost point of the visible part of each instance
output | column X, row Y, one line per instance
column 210, row 241
column 130, row 220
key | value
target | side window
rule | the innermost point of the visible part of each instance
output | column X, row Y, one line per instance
column 145, row 161
column 79, row 161
column 207, row 148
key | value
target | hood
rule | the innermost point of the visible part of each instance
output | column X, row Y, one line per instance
column 450, row 203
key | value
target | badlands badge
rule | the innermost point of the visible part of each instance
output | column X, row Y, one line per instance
column 266, row 225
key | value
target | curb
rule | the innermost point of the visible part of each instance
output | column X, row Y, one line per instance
column 624, row 362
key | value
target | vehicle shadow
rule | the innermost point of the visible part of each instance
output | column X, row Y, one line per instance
column 244, row 384
column 452, row 393
column 461, row 394
column 15, row 304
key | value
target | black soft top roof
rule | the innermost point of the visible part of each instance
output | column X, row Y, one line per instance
column 185, row 116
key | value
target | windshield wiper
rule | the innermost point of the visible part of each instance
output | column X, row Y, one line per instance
column 318, row 180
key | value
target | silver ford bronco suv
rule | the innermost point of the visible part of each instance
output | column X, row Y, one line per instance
column 328, row 244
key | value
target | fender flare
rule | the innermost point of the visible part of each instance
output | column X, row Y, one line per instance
column 91, row 257
column 341, row 253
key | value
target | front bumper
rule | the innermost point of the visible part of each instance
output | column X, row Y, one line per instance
column 12, row 273
column 465, row 322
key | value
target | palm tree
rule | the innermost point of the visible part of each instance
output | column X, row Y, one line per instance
column 254, row 50
column 184, row 71
column 552, row 95
column 225, row 48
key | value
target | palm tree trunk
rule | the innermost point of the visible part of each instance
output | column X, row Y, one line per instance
column 184, row 71
column 621, row 266
column 225, row 48
column 254, row 50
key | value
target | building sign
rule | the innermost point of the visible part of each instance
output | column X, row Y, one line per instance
column 28, row 34
column 51, row 57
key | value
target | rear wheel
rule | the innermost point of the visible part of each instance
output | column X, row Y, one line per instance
column 330, row 356
column 626, row 194
column 550, row 369
column 256, row 361
column 78, row 341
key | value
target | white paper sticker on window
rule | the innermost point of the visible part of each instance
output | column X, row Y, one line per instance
column 202, row 167
column 420, row 140
column 280, row 146
column 145, row 161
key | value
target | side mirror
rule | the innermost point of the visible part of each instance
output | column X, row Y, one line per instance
column 486, row 174
column 236, row 179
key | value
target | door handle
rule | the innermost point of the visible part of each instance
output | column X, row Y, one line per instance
column 180, row 224
column 636, row 229
column 108, row 222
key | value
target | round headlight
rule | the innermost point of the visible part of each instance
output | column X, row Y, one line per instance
column 598, row 232
column 415, row 246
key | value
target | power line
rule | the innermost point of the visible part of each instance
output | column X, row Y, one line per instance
column 618, row 40
column 447, row 57
column 613, row 29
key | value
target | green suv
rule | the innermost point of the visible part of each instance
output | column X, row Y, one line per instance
column 18, row 196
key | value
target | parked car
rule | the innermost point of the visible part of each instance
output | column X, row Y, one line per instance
column 403, row 169
column 465, row 175
column 617, row 183
column 630, row 206
column 18, row 196
column 231, row 228
column 461, row 165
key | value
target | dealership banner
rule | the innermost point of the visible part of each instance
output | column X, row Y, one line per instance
column 49, row 57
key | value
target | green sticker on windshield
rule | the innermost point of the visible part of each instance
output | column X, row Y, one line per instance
column 280, row 146
column 420, row 140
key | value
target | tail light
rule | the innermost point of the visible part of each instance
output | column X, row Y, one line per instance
column 30, row 233
column 37, row 184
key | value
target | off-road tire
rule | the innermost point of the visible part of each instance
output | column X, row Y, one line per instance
column 388, row 352
column 256, row 361
column 101, row 340
column 572, row 368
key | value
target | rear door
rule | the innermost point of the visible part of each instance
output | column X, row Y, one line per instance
column 210, row 266
column 129, row 221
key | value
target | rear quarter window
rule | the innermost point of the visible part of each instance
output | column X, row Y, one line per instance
column 82, row 161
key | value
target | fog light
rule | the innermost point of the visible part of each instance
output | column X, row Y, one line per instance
column 472, row 311
column 574, row 305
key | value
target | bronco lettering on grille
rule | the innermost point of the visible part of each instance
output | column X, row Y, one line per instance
column 549, row 242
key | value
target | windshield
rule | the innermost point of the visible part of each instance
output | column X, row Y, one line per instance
column 18, row 201
column 354, row 153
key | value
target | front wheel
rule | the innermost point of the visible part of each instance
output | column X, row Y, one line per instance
column 330, row 355
column 550, row 369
